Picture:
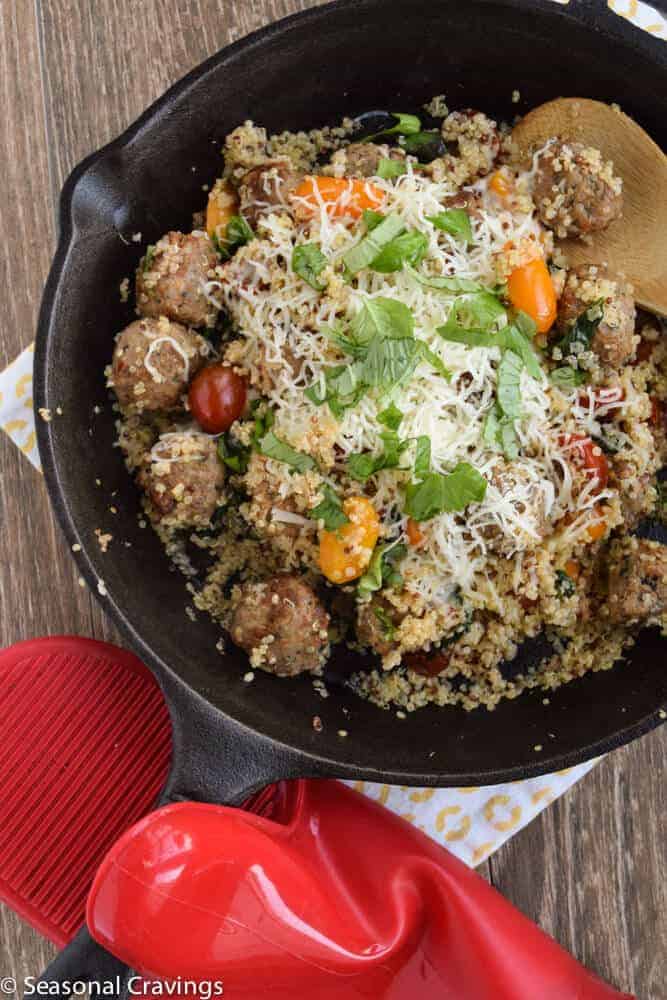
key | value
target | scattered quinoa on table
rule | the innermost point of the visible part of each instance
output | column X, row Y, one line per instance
column 374, row 414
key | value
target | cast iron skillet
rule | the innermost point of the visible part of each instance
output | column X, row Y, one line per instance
column 310, row 69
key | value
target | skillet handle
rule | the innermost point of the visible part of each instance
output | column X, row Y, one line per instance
column 215, row 759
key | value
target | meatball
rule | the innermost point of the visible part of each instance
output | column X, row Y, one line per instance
column 614, row 340
column 575, row 191
column 362, row 159
column 266, row 188
column 475, row 140
column 520, row 503
column 153, row 361
column 637, row 582
column 281, row 624
column 171, row 279
column 635, row 491
column 183, row 479
column 376, row 622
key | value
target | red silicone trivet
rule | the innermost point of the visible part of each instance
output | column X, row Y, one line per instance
column 85, row 752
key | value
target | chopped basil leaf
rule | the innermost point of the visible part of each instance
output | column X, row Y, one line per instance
column 388, row 169
column 363, row 465
column 384, row 318
column 567, row 378
column 454, row 221
column 499, row 433
column 408, row 248
column 509, row 384
column 391, row 417
column 308, row 262
column 329, row 510
column 525, row 324
column 405, row 125
column 445, row 283
column 382, row 569
column 264, row 418
column 388, row 627
column 389, row 362
column 565, row 585
column 437, row 494
column 426, row 146
column 343, row 389
column 361, row 255
column 433, row 360
column 372, row 219
column 237, row 234
column 233, row 456
column 471, row 338
column 580, row 334
column 273, row 447
column 422, row 465
column 481, row 310
column 515, row 340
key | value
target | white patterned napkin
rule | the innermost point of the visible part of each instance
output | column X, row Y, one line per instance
column 471, row 822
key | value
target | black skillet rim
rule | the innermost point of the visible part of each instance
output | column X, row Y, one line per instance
column 593, row 14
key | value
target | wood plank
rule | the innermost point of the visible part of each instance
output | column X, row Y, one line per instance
column 591, row 870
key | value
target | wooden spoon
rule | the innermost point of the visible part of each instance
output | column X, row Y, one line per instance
column 636, row 244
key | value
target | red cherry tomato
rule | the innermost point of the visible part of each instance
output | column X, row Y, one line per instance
column 588, row 455
column 601, row 398
column 428, row 664
column 217, row 398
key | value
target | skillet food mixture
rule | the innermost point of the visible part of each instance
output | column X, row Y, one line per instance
column 369, row 406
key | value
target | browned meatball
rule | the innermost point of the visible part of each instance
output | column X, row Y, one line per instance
column 153, row 361
column 376, row 624
column 575, row 191
column 362, row 159
column 266, row 188
column 637, row 581
column 614, row 340
column 171, row 279
column 637, row 497
column 522, row 505
column 281, row 624
column 475, row 139
column 183, row 478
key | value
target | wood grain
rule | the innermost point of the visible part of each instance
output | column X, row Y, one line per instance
column 73, row 74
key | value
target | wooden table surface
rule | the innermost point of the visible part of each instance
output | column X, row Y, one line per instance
column 73, row 74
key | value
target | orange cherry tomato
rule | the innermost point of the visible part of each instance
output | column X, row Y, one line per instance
column 341, row 196
column 414, row 532
column 531, row 290
column 346, row 552
column 597, row 530
column 222, row 206
column 572, row 569
column 587, row 455
column 217, row 397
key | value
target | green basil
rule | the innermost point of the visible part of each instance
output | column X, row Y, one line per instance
column 437, row 494
column 580, row 333
column 426, row 146
column 383, row 318
column 372, row 219
column 408, row 248
column 308, row 262
column 499, row 433
column 388, row 168
column 146, row 261
column 361, row 255
column 329, row 510
column 237, row 234
column 445, row 283
column 362, row 465
column 273, row 447
column 455, row 222
column 422, row 465
column 233, row 456
column 565, row 585
column 567, row 378
column 509, row 384
column 391, row 417
column 382, row 569
column 431, row 358
column 405, row 125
